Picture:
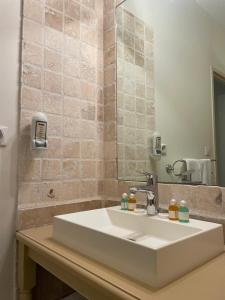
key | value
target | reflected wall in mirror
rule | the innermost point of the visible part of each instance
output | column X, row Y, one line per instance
column 171, row 90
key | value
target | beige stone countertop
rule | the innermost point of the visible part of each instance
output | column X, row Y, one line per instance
column 204, row 283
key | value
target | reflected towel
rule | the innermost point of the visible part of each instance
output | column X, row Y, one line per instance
column 200, row 170
column 206, row 171
column 194, row 166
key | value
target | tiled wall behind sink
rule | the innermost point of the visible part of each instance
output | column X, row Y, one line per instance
column 62, row 76
column 135, row 94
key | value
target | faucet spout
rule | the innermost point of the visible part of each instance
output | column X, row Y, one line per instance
column 151, row 191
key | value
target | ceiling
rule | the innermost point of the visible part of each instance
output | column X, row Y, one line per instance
column 215, row 8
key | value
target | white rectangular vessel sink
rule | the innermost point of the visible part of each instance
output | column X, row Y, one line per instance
column 151, row 250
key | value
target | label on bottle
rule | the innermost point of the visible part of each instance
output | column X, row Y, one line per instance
column 172, row 214
column 40, row 130
column 131, row 206
column 183, row 216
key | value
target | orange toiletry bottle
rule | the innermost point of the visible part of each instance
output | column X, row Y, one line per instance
column 131, row 202
column 173, row 210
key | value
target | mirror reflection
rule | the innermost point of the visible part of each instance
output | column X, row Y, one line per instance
column 171, row 90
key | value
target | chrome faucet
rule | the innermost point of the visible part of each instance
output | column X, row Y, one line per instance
column 151, row 191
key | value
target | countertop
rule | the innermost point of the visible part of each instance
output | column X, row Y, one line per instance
column 204, row 283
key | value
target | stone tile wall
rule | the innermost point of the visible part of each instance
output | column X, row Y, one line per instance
column 135, row 95
column 62, row 76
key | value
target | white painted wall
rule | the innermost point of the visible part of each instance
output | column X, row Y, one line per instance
column 187, row 42
column 9, row 74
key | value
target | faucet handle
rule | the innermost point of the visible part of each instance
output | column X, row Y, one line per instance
column 150, row 178
column 150, row 195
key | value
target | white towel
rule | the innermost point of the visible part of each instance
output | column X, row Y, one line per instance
column 200, row 170
column 206, row 171
column 194, row 167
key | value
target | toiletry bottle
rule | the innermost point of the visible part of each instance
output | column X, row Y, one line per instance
column 124, row 201
column 131, row 202
column 173, row 210
column 151, row 210
column 183, row 213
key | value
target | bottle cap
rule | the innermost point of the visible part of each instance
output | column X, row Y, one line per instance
column 131, row 195
column 124, row 195
column 173, row 201
column 183, row 203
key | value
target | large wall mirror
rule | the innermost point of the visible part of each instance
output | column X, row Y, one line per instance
column 171, row 90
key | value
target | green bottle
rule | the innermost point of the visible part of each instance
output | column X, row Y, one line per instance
column 124, row 201
column 183, row 212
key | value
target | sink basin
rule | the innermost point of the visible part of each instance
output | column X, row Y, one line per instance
column 151, row 250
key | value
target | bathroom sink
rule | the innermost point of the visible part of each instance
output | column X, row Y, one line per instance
column 151, row 250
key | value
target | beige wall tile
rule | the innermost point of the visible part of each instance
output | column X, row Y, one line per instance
column 52, row 103
column 71, row 128
column 72, row 9
column 53, row 19
column 109, row 38
column 108, row 5
column 89, row 3
column 88, row 16
column 88, row 91
column 71, row 87
column 110, row 169
column 55, row 124
column 110, row 56
column 71, row 67
column 88, row 188
column 32, row 54
column 110, row 75
column 108, row 21
column 72, row 107
column 72, row 27
column 57, row 4
column 88, row 149
column 88, row 130
column 30, row 170
column 88, row 111
column 32, row 32
column 33, row 10
column 100, row 170
column 52, row 191
column 71, row 169
column 51, row 169
column 100, row 113
column 32, row 76
column 88, row 35
column 71, row 148
column 25, row 122
column 88, row 169
column 53, row 82
column 31, row 99
column 71, row 190
column 71, row 46
column 110, row 150
column 53, row 39
column 110, row 132
column 52, row 61
column 30, row 193
column 54, row 147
